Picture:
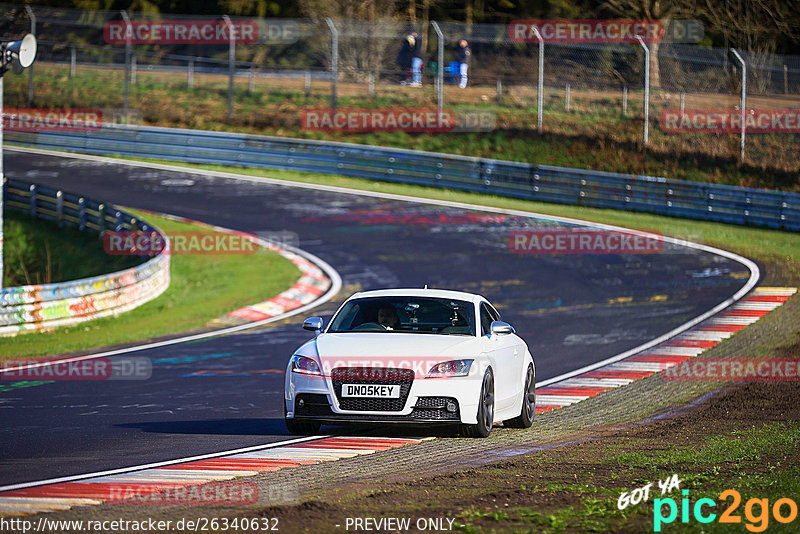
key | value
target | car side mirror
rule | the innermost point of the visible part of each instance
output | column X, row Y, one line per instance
column 501, row 328
column 313, row 324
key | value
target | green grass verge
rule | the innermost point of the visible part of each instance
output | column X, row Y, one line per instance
column 201, row 288
column 39, row 252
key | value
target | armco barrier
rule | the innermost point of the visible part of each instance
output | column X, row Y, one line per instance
column 52, row 305
column 739, row 205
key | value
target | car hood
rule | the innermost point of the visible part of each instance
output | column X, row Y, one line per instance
column 371, row 349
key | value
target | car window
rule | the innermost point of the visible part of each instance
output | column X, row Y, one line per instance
column 486, row 320
column 421, row 315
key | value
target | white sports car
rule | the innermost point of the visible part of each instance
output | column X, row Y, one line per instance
column 411, row 356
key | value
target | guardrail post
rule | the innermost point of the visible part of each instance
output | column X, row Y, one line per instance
column 566, row 98
column 101, row 218
column 646, row 135
column 60, row 208
column 499, row 91
column 32, row 16
column 742, row 100
column 128, row 36
column 252, row 82
column 32, row 200
column 371, row 83
column 133, row 69
column 81, row 214
column 231, row 60
column 190, row 74
column 307, row 87
column 334, row 59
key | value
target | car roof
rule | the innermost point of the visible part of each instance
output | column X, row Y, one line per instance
column 417, row 292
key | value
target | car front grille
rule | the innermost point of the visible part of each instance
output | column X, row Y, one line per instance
column 435, row 408
column 372, row 375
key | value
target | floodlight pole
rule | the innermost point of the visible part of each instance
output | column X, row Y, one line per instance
column 2, row 184
column 5, row 60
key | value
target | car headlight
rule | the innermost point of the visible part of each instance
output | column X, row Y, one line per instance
column 304, row 365
column 451, row 368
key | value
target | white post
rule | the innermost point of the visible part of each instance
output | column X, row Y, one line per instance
column 440, row 70
column 566, row 98
column 646, row 89
column 128, row 36
column 743, row 99
column 624, row 100
column 72, row 60
column 231, row 60
column 334, row 59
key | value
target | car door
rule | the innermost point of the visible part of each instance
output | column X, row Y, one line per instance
column 505, row 353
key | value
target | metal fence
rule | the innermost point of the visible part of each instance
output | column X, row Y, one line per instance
column 53, row 305
column 356, row 59
column 738, row 205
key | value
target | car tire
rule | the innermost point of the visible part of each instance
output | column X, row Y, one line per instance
column 525, row 418
column 485, row 409
column 302, row 428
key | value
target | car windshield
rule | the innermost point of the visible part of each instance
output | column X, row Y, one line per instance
column 413, row 315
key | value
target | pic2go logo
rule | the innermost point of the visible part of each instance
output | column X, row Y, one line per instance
column 757, row 521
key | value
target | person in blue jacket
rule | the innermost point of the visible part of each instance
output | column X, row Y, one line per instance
column 463, row 56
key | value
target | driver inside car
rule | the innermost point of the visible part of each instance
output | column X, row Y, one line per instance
column 387, row 317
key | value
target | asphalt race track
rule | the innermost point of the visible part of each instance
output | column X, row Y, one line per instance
column 226, row 392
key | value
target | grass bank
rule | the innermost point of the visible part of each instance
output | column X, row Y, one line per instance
column 594, row 134
column 202, row 287
column 39, row 252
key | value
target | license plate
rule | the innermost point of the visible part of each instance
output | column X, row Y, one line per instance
column 375, row 391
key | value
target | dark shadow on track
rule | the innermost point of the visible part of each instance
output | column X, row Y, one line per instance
column 234, row 427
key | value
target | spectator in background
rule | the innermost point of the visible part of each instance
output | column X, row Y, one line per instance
column 463, row 56
column 416, row 60
column 405, row 55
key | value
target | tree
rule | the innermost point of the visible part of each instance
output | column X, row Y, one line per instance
column 661, row 10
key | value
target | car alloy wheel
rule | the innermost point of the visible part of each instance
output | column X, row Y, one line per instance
column 525, row 418
column 485, row 409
